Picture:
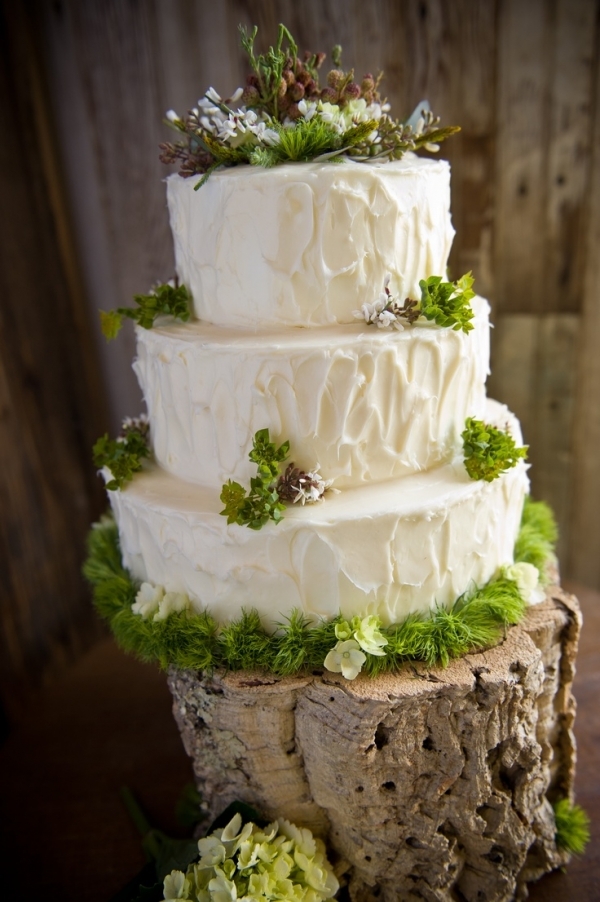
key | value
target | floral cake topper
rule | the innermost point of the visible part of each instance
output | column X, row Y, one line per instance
column 284, row 114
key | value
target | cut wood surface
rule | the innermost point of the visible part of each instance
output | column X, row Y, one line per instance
column 425, row 782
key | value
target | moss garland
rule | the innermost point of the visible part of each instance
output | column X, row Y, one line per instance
column 476, row 620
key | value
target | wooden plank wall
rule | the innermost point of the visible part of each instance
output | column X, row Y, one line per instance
column 522, row 80
column 51, row 397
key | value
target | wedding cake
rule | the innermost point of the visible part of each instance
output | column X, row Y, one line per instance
column 277, row 262
column 321, row 489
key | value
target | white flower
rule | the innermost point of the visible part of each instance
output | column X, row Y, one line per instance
column 176, row 886
column 386, row 319
column 527, row 578
column 170, row 603
column 172, row 116
column 330, row 113
column 307, row 108
column 369, row 636
column 312, row 487
column 266, row 135
column 370, row 312
column 222, row 889
column 346, row 658
column 236, row 95
column 211, row 94
column 147, row 600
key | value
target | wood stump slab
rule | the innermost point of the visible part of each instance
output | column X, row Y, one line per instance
column 430, row 783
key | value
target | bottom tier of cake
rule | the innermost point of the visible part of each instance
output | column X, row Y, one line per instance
column 388, row 549
column 432, row 784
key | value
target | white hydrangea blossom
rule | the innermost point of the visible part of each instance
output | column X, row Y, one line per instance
column 356, row 640
column 170, row 603
column 176, row 886
column 369, row 636
column 527, row 578
column 346, row 658
column 153, row 601
column 147, row 600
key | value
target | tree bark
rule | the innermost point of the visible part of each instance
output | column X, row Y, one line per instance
column 429, row 783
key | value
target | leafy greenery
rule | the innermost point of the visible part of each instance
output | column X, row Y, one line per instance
column 572, row 827
column 447, row 303
column 268, row 68
column 165, row 300
column 489, row 451
column 194, row 641
column 123, row 456
column 262, row 503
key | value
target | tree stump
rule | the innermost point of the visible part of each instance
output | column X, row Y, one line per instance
column 429, row 783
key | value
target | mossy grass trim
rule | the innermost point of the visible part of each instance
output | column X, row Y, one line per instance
column 572, row 827
column 537, row 537
column 478, row 619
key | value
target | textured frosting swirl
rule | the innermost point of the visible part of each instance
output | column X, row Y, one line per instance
column 365, row 404
column 306, row 244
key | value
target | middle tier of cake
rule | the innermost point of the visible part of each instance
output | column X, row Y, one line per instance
column 362, row 403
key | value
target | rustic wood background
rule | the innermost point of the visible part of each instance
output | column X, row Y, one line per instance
column 86, row 85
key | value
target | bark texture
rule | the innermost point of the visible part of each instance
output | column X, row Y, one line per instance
column 429, row 783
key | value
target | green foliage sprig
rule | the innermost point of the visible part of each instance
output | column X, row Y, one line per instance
column 488, row 451
column 194, row 641
column 447, row 303
column 268, row 68
column 262, row 502
column 123, row 456
column 164, row 300
column 572, row 827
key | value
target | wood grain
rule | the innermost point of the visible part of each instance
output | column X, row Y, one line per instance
column 51, row 400
column 583, row 560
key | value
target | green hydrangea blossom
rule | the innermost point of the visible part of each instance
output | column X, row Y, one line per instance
column 248, row 864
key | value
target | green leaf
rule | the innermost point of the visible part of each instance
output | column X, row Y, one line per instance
column 164, row 300
column 262, row 502
column 110, row 323
column 123, row 456
column 187, row 810
column 447, row 303
column 488, row 451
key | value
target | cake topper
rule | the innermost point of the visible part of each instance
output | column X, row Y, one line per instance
column 283, row 115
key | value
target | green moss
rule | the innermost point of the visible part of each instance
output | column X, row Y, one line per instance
column 572, row 827
column 537, row 536
column 476, row 620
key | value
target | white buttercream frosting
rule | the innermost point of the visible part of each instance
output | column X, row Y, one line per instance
column 387, row 549
column 306, row 244
column 364, row 404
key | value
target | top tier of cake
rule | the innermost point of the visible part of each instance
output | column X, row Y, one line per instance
column 307, row 245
